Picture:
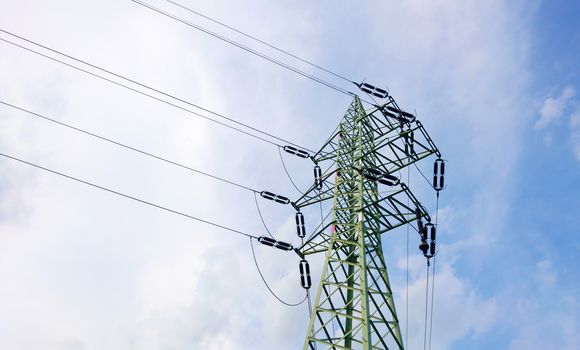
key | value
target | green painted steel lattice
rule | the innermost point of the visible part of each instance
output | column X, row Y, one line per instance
column 354, row 306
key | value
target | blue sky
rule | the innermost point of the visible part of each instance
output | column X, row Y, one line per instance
column 496, row 83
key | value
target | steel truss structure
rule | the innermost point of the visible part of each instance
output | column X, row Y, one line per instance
column 354, row 306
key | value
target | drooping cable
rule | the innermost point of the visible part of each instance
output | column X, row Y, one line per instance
column 38, row 115
column 434, row 275
column 426, row 179
column 321, row 214
column 266, row 283
column 309, row 302
column 318, row 226
column 287, row 172
column 272, row 46
column 261, row 217
column 407, row 271
column 129, row 197
column 423, row 175
column 426, row 308
column 247, row 49
column 148, row 87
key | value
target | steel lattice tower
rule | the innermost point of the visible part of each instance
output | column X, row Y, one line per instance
column 354, row 306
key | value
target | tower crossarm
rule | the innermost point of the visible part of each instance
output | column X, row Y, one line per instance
column 318, row 193
column 393, row 150
column 389, row 211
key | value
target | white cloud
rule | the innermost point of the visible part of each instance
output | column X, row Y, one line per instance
column 456, row 303
column 546, row 326
column 553, row 108
column 93, row 272
column 447, row 219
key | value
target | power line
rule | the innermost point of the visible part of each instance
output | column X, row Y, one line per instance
column 423, row 176
column 130, row 197
column 127, row 147
column 247, row 49
column 266, row 283
column 432, row 301
column 426, row 303
column 288, row 173
column 261, row 217
column 147, row 87
column 407, row 270
column 139, row 92
column 434, row 275
column 262, row 41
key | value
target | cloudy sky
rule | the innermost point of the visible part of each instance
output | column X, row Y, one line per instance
column 496, row 83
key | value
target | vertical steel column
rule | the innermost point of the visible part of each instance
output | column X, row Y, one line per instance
column 354, row 307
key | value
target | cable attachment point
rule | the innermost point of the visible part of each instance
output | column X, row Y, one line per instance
column 438, row 174
column 409, row 137
column 429, row 232
column 380, row 177
column 419, row 220
column 406, row 116
column 300, row 229
column 389, row 180
column 274, row 197
column 396, row 114
column 372, row 174
column 317, row 177
column 296, row 151
column 305, row 280
column 372, row 90
column 271, row 242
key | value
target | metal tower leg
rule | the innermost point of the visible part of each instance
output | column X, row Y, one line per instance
column 354, row 292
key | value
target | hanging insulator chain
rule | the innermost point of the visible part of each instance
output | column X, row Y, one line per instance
column 305, row 280
column 300, row 228
column 429, row 232
column 381, row 177
column 438, row 174
column 274, row 197
column 317, row 177
column 271, row 242
column 433, row 236
column 419, row 220
column 296, row 151
column 372, row 90
column 409, row 137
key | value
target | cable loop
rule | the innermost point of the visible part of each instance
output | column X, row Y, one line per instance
column 266, row 283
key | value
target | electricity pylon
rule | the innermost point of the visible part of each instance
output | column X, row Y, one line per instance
column 354, row 306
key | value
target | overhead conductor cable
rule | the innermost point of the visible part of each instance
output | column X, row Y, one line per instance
column 371, row 90
column 130, row 197
column 438, row 174
column 181, row 100
column 127, row 147
column 258, row 53
column 266, row 283
column 260, row 41
column 245, row 48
